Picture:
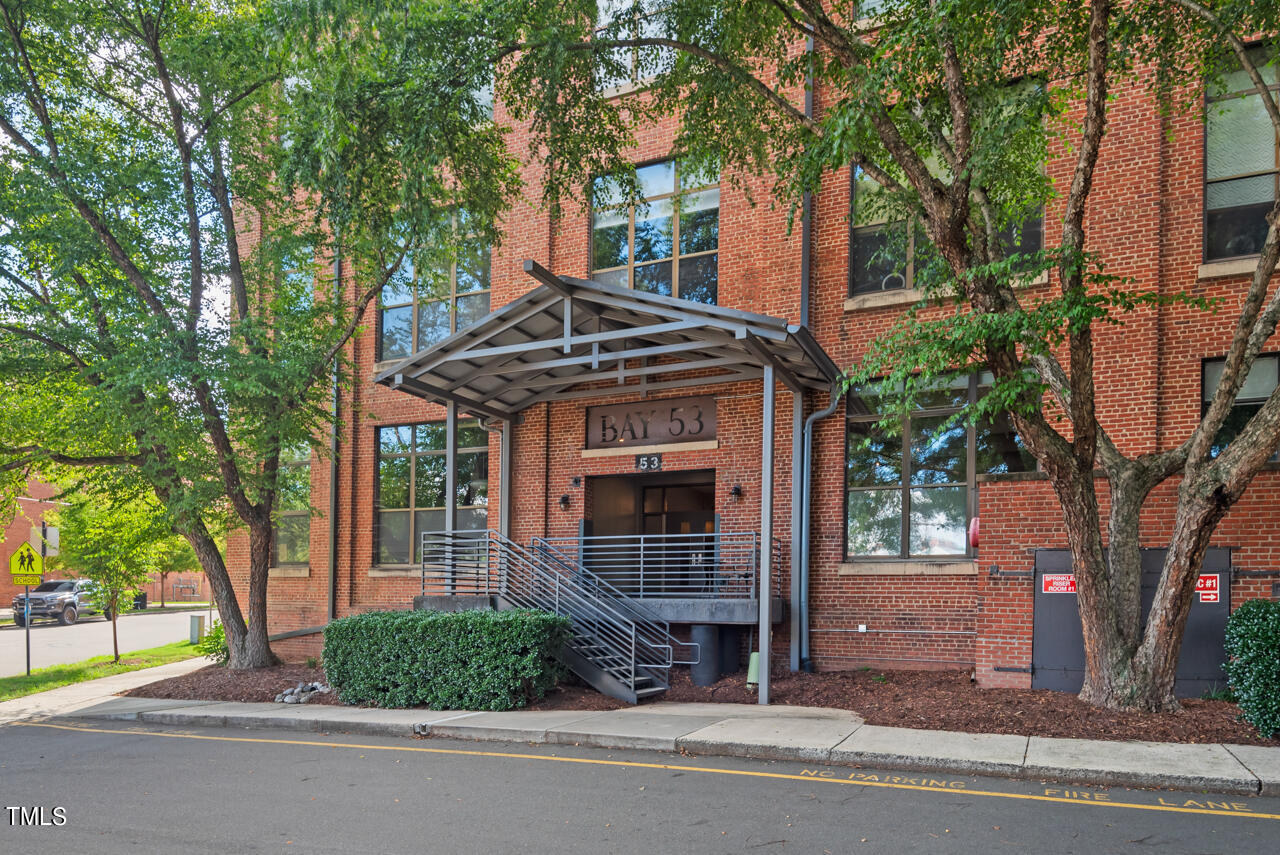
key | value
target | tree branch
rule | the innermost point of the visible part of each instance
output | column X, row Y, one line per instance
column 781, row 104
column 28, row 454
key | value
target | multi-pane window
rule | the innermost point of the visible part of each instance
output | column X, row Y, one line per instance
column 910, row 493
column 1241, row 164
column 412, row 465
column 1257, row 387
column 423, row 305
column 665, row 245
column 869, row 8
column 292, row 544
column 885, row 256
column 631, row 19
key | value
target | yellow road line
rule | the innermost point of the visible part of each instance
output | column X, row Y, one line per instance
column 665, row 766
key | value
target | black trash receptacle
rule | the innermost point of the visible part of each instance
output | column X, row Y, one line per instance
column 140, row 600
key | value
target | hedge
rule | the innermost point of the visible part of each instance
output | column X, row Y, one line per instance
column 1253, row 662
column 473, row 660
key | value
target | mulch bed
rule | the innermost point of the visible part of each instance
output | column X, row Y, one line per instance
column 932, row 700
column 217, row 683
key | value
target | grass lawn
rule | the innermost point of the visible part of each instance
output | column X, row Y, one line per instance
column 91, row 669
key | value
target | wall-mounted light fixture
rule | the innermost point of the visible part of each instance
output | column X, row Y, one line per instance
column 564, row 502
column 735, row 492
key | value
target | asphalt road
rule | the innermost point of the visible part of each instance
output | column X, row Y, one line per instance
column 53, row 644
column 144, row 788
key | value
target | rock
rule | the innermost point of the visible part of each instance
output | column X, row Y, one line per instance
column 292, row 699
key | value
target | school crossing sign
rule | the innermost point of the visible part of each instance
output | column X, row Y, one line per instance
column 26, row 566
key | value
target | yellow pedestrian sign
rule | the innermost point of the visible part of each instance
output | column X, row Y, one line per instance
column 25, row 562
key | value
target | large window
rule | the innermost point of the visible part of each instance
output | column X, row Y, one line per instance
column 1241, row 164
column 631, row 19
column 412, row 464
column 910, row 493
column 421, row 306
column 292, row 544
column 666, row 245
column 886, row 256
column 1257, row 387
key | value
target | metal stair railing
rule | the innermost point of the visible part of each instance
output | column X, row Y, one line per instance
column 653, row 628
column 713, row 565
column 605, row 632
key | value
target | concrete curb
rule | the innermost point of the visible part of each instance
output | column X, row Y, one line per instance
column 837, row 741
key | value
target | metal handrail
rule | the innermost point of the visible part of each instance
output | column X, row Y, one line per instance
column 723, row 565
column 485, row 562
column 657, row 630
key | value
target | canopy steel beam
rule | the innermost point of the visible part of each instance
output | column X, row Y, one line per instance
column 471, row 406
column 551, row 344
column 639, row 371
column 509, row 372
column 761, row 351
column 607, row 391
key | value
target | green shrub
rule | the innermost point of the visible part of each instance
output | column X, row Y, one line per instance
column 1253, row 662
column 214, row 644
column 473, row 660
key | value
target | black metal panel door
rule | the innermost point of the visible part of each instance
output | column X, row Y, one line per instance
column 1057, row 646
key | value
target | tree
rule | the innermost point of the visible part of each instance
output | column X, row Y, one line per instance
column 922, row 106
column 172, row 554
column 198, row 201
column 115, row 547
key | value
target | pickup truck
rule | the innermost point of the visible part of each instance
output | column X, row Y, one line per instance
column 63, row 599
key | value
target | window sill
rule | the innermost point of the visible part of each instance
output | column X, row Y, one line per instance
column 960, row 567
column 394, row 572
column 907, row 296
column 1012, row 476
column 290, row 571
column 883, row 299
column 626, row 88
column 1230, row 267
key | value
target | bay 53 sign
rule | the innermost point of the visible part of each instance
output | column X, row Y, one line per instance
column 651, row 422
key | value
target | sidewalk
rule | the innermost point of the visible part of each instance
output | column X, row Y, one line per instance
column 66, row 700
column 805, row 734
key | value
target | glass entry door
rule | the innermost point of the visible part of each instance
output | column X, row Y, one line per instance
column 653, row 535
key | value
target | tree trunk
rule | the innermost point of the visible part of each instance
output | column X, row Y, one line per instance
column 162, row 577
column 115, row 614
column 256, row 649
column 1198, row 516
column 215, row 570
column 1125, row 670
column 1106, row 654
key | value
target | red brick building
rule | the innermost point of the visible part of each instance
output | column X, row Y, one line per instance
column 894, row 577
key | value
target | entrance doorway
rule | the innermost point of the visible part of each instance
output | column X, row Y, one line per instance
column 652, row 535
column 657, row 503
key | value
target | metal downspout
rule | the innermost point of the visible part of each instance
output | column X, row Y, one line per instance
column 800, row 474
column 837, row 390
column 333, row 465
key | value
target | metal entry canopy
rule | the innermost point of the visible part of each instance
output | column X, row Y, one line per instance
column 573, row 338
column 569, row 332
